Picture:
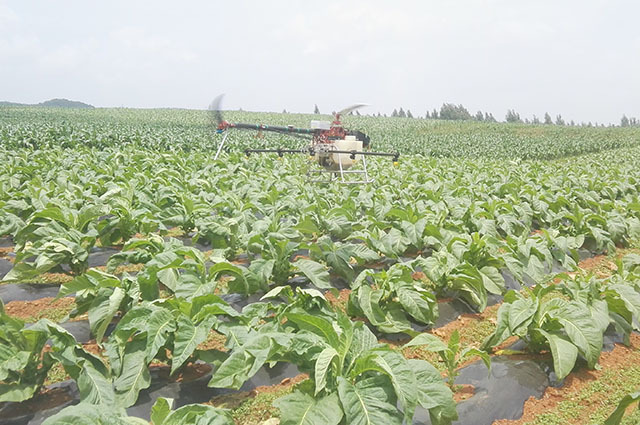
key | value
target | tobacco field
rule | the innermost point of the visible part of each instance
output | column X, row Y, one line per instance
column 143, row 281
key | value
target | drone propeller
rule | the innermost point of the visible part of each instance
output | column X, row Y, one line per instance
column 350, row 109
column 215, row 113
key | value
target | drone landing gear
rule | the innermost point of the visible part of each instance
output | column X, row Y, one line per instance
column 337, row 168
column 224, row 138
column 341, row 175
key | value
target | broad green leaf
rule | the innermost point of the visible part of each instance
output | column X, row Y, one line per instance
column 198, row 414
column 102, row 311
column 89, row 414
column 95, row 387
column 422, row 306
column 502, row 331
column 187, row 338
column 616, row 417
column 521, row 314
column 433, row 393
column 581, row 330
column 362, row 341
column 299, row 408
column 243, row 363
column 404, row 382
column 135, row 374
column 323, row 362
column 368, row 402
column 428, row 341
column 317, row 325
column 17, row 392
column 472, row 352
column 159, row 325
column 160, row 410
column 316, row 272
column 492, row 280
column 564, row 353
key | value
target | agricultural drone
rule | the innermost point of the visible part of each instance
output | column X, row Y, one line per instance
column 334, row 148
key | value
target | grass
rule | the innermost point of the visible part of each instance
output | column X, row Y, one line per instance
column 56, row 374
column 55, row 314
column 254, row 408
column 596, row 400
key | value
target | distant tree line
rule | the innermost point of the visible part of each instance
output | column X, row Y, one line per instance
column 629, row 122
column 451, row 111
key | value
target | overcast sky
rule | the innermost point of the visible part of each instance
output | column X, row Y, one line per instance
column 577, row 58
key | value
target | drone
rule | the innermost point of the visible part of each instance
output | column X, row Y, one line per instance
column 334, row 149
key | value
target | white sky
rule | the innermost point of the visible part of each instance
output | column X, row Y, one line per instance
column 577, row 58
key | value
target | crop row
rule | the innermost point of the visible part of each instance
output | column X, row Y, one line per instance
column 171, row 130
column 170, row 308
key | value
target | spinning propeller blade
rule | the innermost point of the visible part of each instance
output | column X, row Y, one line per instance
column 351, row 108
column 215, row 113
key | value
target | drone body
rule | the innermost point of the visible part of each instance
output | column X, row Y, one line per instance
column 333, row 147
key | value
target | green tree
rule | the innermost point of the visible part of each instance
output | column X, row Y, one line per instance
column 479, row 116
column 512, row 116
column 624, row 121
column 316, row 110
column 547, row 118
column 489, row 117
column 449, row 111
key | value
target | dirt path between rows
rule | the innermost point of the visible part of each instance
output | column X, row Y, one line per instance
column 619, row 359
column 38, row 308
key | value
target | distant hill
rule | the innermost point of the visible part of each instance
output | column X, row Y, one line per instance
column 53, row 103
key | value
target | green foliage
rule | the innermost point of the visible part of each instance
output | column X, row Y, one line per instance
column 169, row 331
column 24, row 361
column 71, row 180
column 352, row 376
column 467, row 268
column 616, row 417
column 389, row 299
column 451, row 354
column 566, row 328
column 161, row 414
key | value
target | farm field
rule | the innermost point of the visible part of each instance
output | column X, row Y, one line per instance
column 491, row 276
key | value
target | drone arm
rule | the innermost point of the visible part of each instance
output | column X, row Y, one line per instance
column 261, row 127
column 311, row 151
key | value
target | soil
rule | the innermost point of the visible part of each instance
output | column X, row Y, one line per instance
column 240, row 261
column 616, row 360
column 46, row 399
column 58, row 278
column 464, row 320
column 94, row 348
column 418, row 276
column 600, row 265
column 215, row 341
column 463, row 392
column 6, row 251
column 37, row 308
column 340, row 301
column 124, row 268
